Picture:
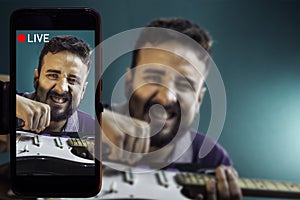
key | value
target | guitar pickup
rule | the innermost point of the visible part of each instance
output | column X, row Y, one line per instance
column 36, row 141
column 129, row 178
column 162, row 178
column 59, row 143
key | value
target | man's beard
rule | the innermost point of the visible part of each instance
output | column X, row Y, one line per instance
column 159, row 138
column 56, row 114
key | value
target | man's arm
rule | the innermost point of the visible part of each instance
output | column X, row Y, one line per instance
column 35, row 115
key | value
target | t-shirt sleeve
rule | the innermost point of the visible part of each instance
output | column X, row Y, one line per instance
column 216, row 157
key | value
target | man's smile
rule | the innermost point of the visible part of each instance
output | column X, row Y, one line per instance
column 58, row 100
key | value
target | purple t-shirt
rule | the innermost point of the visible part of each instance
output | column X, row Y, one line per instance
column 214, row 158
column 197, row 148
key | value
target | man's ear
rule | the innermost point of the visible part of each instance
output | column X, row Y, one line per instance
column 128, row 82
column 84, row 89
column 35, row 78
column 200, row 97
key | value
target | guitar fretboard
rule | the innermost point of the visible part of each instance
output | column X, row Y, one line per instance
column 76, row 142
column 250, row 187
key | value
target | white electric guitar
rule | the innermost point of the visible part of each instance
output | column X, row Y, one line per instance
column 52, row 155
column 128, row 185
column 165, row 185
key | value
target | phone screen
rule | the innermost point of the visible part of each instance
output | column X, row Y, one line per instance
column 55, row 87
column 67, row 145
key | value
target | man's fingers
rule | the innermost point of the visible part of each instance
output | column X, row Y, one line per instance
column 235, row 190
column 211, row 192
column 129, row 143
column 227, row 183
column 36, row 121
column 115, row 144
column 27, row 123
column 36, row 115
column 222, row 184
column 47, row 116
column 139, row 145
column 126, row 137
column 43, row 117
column 146, row 139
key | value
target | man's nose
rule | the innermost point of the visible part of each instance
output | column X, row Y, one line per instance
column 62, row 86
column 166, row 96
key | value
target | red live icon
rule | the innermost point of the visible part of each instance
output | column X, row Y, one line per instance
column 21, row 38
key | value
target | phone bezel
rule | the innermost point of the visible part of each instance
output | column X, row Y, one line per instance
column 61, row 19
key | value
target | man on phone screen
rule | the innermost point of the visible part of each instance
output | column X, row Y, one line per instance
column 60, row 84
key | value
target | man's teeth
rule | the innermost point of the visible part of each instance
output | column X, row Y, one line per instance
column 160, row 115
column 158, row 112
column 58, row 99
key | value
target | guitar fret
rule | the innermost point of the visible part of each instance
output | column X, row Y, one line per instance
column 297, row 185
column 281, row 186
column 200, row 179
column 193, row 179
column 260, row 184
column 250, row 184
column 188, row 179
column 80, row 142
column 242, row 183
column 85, row 144
column 180, row 178
column 292, row 187
column 271, row 186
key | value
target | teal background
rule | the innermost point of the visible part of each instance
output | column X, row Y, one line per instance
column 28, row 60
column 257, row 50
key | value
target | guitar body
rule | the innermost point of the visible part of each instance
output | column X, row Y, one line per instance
column 47, row 156
column 142, row 186
column 50, row 155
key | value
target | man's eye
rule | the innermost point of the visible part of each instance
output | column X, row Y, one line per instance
column 152, row 79
column 72, row 81
column 184, row 86
column 52, row 76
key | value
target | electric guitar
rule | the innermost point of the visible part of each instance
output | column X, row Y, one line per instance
column 52, row 155
column 161, row 184
column 250, row 187
column 165, row 185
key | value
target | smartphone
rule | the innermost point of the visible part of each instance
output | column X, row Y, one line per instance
column 55, row 102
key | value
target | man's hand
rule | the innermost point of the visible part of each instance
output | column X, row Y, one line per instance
column 36, row 115
column 224, row 186
column 125, row 136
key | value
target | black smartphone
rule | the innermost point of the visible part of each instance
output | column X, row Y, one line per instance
column 55, row 102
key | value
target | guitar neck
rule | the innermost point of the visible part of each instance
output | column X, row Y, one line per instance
column 250, row 187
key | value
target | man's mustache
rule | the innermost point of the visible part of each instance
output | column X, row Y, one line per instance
column 66, row 95
column 170, row 108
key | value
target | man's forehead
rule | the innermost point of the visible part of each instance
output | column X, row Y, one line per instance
column 172, row 55
column 65, row 60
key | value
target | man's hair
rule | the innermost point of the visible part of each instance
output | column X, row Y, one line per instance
column 66, row 43
column 177, row 24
